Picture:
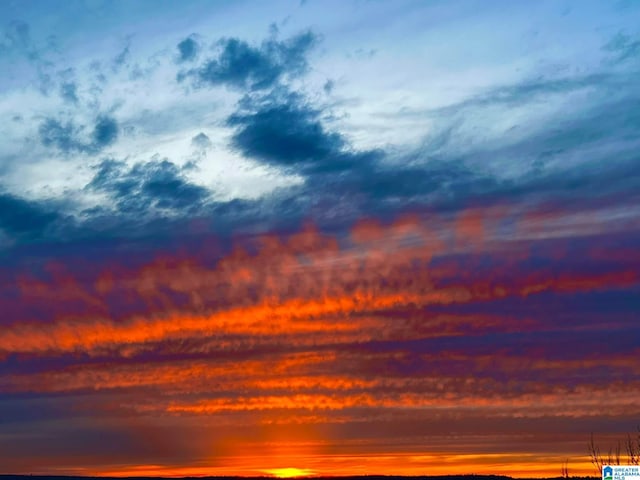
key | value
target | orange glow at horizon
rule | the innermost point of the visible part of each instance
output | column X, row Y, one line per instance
column 519, row 465
column 290, row 472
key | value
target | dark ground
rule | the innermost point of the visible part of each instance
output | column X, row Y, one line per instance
column 359, row 477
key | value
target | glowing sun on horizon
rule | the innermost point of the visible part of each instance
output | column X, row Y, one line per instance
column 289, row 472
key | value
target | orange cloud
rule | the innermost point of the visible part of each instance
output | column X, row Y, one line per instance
column 321, row 330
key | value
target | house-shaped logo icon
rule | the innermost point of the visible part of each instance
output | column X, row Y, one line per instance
column 607, row 473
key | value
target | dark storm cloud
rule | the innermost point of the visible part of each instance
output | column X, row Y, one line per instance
column 285, row 131
column 105, row 132
column 66, row 137
column 244, row 66
column 155, row 184
column 24, row 218
column 188, row 49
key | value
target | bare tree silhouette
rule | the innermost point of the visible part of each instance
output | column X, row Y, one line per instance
column 614, row 454
column 565, row 468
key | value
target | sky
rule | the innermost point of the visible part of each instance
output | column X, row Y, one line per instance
column 321, row 237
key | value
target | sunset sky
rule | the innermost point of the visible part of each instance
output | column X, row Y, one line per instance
column 318, row 237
